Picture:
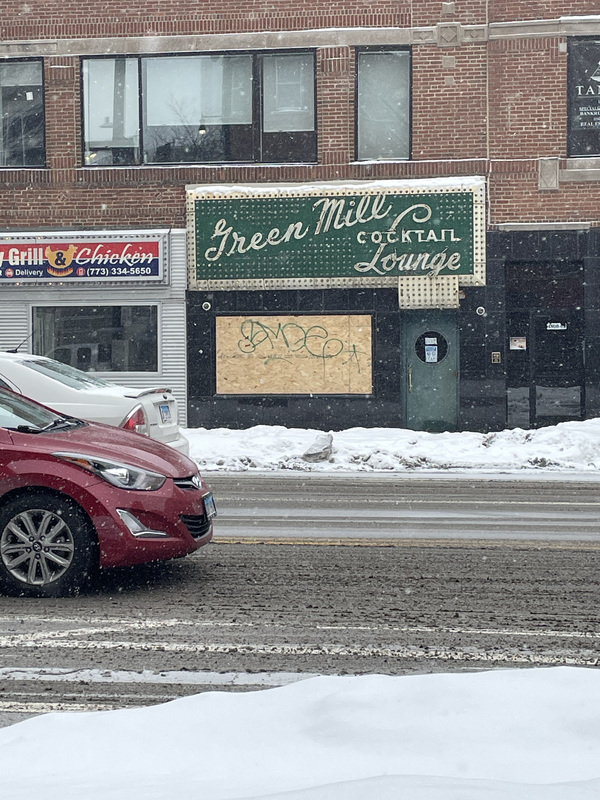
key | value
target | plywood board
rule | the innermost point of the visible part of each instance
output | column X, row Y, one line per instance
column 294, row 355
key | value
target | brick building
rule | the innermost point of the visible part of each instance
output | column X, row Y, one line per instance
column 319, row 214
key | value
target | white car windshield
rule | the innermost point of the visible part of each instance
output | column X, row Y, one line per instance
column 64, row 373
column 16, row 410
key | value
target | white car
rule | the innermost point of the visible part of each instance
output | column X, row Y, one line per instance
column 152, row 412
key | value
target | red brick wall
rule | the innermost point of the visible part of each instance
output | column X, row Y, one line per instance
column 63, row 127
column 41, row 19
column 467, row 12
column 508, row 10
column 450, row 133
column 57, row 18
column 335, row 105
column 449, row 102
column 527, row 114
column 515, row 197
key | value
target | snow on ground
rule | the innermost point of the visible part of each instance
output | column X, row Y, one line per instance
column 523, row 734
column 572, row 446
column 530, row 734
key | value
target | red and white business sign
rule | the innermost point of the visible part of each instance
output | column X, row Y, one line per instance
column 75, row 259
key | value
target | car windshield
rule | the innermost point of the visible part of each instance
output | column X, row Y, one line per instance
column 64, row 373
column 16, row 411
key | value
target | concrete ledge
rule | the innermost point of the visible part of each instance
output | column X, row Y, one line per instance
column 442, row 34
column 543, row 226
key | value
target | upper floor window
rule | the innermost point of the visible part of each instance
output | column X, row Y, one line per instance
column 383, row 104
column 22, row 114
column 199, row 109
column 584, row 97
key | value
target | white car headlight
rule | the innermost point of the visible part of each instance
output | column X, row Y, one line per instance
column 122, row 475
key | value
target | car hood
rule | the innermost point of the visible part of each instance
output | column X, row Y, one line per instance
column 105, row 441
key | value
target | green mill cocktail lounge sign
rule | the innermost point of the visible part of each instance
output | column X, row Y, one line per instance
column 426, row 237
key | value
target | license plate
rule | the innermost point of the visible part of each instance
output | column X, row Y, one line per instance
column 209, row 506
column 165, row 413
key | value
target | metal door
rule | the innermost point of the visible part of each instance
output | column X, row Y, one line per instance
column 545, row 367
column 430, row 346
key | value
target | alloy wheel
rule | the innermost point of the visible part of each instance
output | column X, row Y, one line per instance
column 37, row 547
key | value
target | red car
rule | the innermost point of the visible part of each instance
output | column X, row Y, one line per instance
column 75, row 496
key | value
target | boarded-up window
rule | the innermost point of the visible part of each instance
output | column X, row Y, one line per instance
column 294, row 355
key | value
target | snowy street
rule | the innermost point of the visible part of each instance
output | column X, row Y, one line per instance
column 235, row 615
column 464, row 600
column 417, row 505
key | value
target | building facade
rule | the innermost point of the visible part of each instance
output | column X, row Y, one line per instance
column 312, row 214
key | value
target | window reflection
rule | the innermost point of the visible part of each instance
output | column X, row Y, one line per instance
column 584, row 97
column 383, row 104
column 98, row 338
column 288, row 93
column 21, row 114
column 110, row 111
column 199, row 109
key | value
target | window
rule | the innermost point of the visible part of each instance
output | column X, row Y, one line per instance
column 98, row 338
column 288, row 108
column 584, row 98
column 383, row 105
column 22, row 114
column 110, row 111
column 199, row 109
column 65, row 374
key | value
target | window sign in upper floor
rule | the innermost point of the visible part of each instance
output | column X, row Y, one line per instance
column 383, row 105
column 584, row 97
column 22, row 114
column 199, row 109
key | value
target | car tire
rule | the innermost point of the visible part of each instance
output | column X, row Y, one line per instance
column 48, row 546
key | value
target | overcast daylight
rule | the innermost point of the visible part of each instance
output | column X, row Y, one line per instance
column 299, row 400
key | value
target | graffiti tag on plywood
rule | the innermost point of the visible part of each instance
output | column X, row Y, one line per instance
column 294, row 355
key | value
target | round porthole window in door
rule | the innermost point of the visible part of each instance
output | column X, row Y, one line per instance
column 431, row 347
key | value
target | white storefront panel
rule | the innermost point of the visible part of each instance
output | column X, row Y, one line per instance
column 111, row 301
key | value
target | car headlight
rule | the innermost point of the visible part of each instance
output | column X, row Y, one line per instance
column 124, row 476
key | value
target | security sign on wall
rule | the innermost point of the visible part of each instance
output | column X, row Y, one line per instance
column 431, row 347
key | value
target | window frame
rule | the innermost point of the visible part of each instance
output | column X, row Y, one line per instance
column 257, row 108
column 382, row 49
column 43, row 165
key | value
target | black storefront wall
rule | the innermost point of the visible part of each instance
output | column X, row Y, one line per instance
column 486, row 362
column 382, row 408
column 269, row 356
column 548, row 280
column 482, row 399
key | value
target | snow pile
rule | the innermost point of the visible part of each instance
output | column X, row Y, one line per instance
column 502, row 735
column 567, row 446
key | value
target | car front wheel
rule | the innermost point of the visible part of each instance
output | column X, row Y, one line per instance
column 48, row 546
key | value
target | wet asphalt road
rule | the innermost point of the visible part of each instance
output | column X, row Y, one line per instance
column 249, row 610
